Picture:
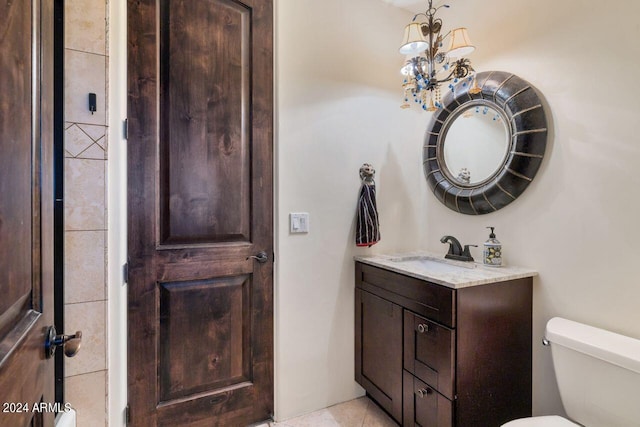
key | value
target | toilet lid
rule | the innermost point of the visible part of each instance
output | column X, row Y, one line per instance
column 549, row 421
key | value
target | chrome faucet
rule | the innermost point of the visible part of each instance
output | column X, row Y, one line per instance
column 455, row 249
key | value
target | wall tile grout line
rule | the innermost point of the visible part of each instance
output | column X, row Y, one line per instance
column 86, row 373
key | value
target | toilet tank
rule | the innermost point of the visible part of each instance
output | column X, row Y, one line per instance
column 598, row 373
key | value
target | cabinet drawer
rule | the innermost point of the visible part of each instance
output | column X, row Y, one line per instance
column 429, row 352
column 433, row 301
column 423, row 406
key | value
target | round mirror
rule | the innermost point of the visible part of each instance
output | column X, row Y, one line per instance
column 482, row 149
column 475, row 144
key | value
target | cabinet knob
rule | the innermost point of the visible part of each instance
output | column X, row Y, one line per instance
column 423, row 392
column 423, row 327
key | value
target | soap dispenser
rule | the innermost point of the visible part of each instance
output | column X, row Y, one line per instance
column 492, row 254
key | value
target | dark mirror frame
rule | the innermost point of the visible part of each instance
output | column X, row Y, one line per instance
column 520, row 104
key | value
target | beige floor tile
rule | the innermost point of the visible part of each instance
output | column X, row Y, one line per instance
column 347, row 414
column 351, row 413
column 319, row 418
column 376, row 417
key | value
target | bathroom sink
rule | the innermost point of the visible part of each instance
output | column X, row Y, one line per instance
column 433, row 264
column 435, row 268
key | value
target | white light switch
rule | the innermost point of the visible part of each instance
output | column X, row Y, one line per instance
column 299, row 222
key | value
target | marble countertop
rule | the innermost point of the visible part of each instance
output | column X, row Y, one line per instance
column 436, row 269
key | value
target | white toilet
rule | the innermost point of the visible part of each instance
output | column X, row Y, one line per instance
column 598, row 374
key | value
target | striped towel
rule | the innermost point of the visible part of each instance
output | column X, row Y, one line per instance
column 367, row 227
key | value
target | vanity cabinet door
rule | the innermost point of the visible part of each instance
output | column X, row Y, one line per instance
column 379, row 350
column 423, row 406
column 429, row 352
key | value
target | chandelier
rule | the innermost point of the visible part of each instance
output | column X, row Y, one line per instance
column 427, row 65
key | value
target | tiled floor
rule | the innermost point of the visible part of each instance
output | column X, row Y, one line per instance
column 360, row 412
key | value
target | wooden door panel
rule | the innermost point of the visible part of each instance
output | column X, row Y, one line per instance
column 205, row 125
column 200, row 202
column 23, row 374
column 15, row 159
column 205, row 335
column 26, row 210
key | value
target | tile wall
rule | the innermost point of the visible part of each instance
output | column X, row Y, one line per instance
column 86, row 59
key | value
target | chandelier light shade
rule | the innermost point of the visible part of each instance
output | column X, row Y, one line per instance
column 460, row 44
column 428, row 65
column 413, row 42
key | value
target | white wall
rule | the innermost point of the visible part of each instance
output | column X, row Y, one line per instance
column 577, row 223
column 338, row 92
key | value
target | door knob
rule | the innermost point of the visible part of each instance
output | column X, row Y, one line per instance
column 70, row 343
column 262, row 257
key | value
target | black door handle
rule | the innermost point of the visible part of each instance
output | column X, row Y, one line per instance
column 262, row 257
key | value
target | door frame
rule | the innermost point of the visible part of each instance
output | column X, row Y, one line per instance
column 117, row 218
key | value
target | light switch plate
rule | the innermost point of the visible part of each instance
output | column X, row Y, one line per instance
column 299, row 222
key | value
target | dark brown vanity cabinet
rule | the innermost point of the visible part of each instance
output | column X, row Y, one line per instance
column 435, row 356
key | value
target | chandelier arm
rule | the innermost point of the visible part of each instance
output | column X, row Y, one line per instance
column 431, row 53
column 440, row 7
column 448, row 78
column 420, row 14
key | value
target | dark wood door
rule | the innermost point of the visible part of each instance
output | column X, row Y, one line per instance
column 200, row 202
column 26, row 211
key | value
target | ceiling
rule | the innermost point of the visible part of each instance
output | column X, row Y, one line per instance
column 410, row 5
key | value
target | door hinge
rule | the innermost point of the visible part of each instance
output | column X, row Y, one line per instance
column 125, row 272
column 125, row 128
column 127, row 415
column 274, row 257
